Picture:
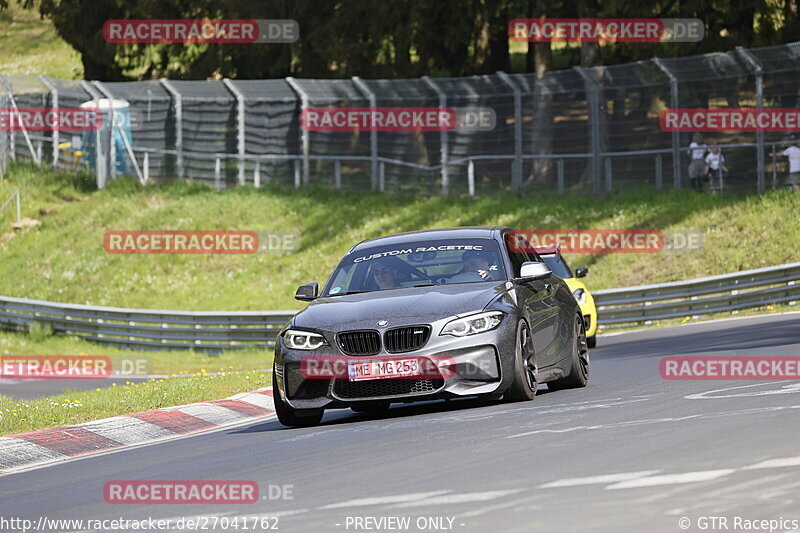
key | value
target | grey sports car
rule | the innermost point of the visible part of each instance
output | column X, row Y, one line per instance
column 443, row 313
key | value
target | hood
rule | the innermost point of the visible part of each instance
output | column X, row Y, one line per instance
column 409, row 305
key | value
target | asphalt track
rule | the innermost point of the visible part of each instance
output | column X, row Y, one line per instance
column 27, row 389
column 631, row 452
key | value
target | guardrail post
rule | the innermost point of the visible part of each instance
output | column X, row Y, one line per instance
column 54, row 100
column 759, row 73
column 593, row 98
column 240, row 125
column 516, row 177
column 673, row 99
column 444, row 148
column 304, row 137
column 178, row 124
column 373, row 135
column 217, row 170
column 257, row 174
column 146, row 167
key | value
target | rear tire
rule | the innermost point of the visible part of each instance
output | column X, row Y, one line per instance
column 523, row 388
column 291, row 417
column 579, row 367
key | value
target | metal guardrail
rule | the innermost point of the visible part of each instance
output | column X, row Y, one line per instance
column 728, row 292
column 213, row 331
column 148, row 328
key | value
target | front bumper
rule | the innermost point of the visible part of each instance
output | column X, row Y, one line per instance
column 463, row 366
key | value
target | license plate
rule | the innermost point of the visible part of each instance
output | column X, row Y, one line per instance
column 383, row 369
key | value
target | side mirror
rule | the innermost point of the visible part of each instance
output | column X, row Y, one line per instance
column 534, row 270
column 307, row 292
column 581, row 272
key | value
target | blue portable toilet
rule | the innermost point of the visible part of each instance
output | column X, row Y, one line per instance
column 122, row 128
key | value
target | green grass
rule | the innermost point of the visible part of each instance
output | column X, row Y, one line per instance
column 75, row 407
column 30, row 46
column 63, row 259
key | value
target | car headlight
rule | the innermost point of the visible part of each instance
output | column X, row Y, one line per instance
column 470, row 325
column 303, row 340
column 580, row 295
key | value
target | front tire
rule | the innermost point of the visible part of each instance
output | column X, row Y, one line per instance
column 579, row 366
column 291, row 417
column 523, row 388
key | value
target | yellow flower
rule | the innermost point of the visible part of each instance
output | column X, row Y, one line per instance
column 98, row 390
column 129, row 392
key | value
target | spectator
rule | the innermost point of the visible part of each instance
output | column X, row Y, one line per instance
column 716, row 166
column 697, row 166
column 793, row 153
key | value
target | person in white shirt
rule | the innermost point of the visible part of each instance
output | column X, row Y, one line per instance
column 697, row 166
column 793, row 153
column 716, row 166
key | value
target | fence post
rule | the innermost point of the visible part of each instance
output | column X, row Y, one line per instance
column 444, row 148
column 178, row 123
column 677, row 170
column 112, row 146
column 659, row 172
column 304, row 137
column 560, row 175
column 54, row 99
column 146, row 167
column 373, row 136
column 759, row 72
column 471, row 177
column 337, row 174
column 257, row 174
column 593, row 98
column 774, row 166
column 217, row 169
column 100, row 162
column 240, row 125
column 516, row 178
column 608, row 174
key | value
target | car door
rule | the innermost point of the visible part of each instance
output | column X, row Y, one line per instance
column 537, row 298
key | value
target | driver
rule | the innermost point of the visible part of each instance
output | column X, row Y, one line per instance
column 385, row 274
column 477, row 262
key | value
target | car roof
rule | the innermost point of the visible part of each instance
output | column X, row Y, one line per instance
column 460, row 232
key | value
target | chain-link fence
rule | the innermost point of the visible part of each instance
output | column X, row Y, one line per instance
column 589, row 130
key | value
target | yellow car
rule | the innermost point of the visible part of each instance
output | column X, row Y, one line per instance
column 551, row 255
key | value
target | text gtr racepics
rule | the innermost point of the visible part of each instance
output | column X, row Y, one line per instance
column 444, row 313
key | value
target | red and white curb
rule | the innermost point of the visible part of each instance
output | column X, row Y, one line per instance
column 26, row 450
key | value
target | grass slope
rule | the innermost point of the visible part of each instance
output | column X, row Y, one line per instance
column 63, row 259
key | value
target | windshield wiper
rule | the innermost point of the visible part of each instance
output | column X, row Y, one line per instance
column 421, row 285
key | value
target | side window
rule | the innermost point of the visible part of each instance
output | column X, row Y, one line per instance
column 519, row 251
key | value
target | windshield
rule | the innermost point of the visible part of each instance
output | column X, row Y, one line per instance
column 557, row 264
column 421, row 263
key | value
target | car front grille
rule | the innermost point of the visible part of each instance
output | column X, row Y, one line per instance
column 365, row 342
column 372, row 388
column 406, row 339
